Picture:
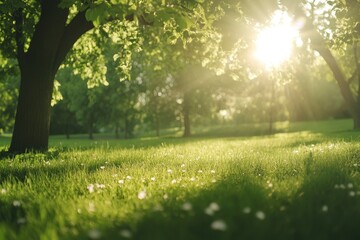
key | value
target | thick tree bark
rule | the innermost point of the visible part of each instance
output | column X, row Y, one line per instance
column 51, row 41
column 37, row 70
column 32, row 119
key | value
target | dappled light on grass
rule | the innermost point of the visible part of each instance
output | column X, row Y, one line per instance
column 273, row 187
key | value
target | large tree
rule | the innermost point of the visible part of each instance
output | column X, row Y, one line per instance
column 41, row 33
column 331, row 27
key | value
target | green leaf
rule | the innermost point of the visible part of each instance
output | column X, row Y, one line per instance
column 98, row 14
column 66, row 3
column 123, row 2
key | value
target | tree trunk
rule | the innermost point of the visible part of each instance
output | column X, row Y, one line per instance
column 157, row 124
column 67, row 129
column 117, row 136
column 127, row 128
column 32, row 119
column 357, row 120
column 91, row 125
column 51, row 41
column 186, row 113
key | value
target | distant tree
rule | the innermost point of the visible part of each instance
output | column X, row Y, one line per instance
column 63, row 117
column 9, row 79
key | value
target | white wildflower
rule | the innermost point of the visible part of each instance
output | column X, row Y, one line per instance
column 101, row 186
column 16, row 203
column 90, row 187
column 182, row 165
column 350, row 185
column 247, row 210
column 219, row 225
column 3, row 191
column 352, row 194
column 121, row 181
column 212, row 208
column 128, row 177
column 212, row 171
column 173, row 181
column 152, row 178
column 209, row 211
column 324, row 208
column 186, row 206
column 260, row 215
column 102, row 167
column 125, row 233
column 169, row 171
column 142, row 194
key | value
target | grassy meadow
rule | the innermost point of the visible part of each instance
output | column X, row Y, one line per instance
column 302, row 182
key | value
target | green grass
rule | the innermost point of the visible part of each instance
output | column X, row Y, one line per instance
column 290, row 185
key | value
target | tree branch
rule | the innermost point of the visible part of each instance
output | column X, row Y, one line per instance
column 73, row 31
column 19, row 37
column 76, row 28
column 48, row 33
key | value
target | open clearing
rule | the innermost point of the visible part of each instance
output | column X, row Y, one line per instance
column 296, row 185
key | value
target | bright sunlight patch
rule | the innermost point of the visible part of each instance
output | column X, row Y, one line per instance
column 274, row 44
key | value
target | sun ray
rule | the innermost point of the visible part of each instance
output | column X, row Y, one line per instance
column 274, row 44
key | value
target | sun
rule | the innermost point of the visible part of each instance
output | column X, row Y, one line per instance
column 274, row 44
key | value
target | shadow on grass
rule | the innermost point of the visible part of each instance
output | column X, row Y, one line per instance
column 54, row 164
column 316, row 210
